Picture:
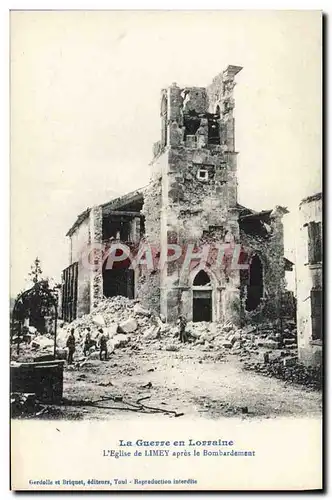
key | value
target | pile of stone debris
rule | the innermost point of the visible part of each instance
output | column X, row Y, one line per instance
column 263, row 339
column 27, row 405
column 290, row 370
column 32, row 345
column 124, row 322
column 121, row 319
column 24, row 404
column 129, row 325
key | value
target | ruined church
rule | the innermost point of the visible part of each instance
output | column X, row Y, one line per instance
column 191, row 199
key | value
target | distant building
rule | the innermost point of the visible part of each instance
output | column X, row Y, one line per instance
column 191, row 199
column 309, row 276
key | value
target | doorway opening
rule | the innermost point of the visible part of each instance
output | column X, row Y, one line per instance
column 202, row 297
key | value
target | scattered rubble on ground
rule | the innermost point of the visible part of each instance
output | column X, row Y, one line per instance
column 294, row 372
column 26, row 405
column 22, row 404
column 265, row 348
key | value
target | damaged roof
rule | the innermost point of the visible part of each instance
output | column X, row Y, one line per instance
column 313, row 197
column 245, row 212
column 260, row 219
column 258, row 223
column 80, row 218
column 114, row 204
column 124, row 200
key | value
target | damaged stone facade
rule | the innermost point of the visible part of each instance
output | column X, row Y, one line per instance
column 263, row 235
column 90, row 237
column 196, row 166
column 309, row 281
column 191, row 201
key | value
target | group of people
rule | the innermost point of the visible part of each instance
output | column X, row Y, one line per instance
column 88, row 343
column 102, row 341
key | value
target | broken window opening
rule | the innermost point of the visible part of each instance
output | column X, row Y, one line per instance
column 119, row 280
column 255, row 227
column 314, row 242
column 316, row 314
column 214, row 132
column 203, row 174
column 117, row 229
column 255, row 288
column 142, row 227
column 192, row 121
column 191, row 125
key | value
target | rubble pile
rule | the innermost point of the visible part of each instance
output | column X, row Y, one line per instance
column 27, row 405
column 32, row 345
column 122, row 320
column 127, row 324
column 244, row 341
column 295, row 372
column 22, row 404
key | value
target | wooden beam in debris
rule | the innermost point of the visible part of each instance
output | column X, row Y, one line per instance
column 122, row 213
column 257, row 215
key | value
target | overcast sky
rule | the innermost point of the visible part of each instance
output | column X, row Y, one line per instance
column 85, row 91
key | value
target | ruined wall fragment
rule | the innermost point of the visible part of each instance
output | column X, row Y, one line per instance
column 309, row 281
column 96, row 237
column 148, row 280
column 79, row 245
column 270, row 250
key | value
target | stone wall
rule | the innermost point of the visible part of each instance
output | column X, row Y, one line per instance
column 79, row 244
column 220, row 96
column 308, row 277
column 270, row 251
column 96, row 237
column 79, row 240
column 195, row 210
column 83, row 291
column 148, row 280
column 193, row 194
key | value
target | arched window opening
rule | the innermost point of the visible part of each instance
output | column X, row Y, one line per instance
column 202, row 279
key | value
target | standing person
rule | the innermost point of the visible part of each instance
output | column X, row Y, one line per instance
column 87, row 341
column 103, row 345
column 182, row 322
column 71, row 346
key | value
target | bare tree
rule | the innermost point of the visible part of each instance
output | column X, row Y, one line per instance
column 36, row 271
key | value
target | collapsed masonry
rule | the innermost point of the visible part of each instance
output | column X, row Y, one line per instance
column 128, row 325
column 191, row 200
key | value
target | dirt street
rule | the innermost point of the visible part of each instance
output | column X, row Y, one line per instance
column 189, row 381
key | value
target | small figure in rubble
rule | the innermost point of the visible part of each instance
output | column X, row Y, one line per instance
column 71, row 346
column 87, row 342
column 182, row 323
column 103, row 345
